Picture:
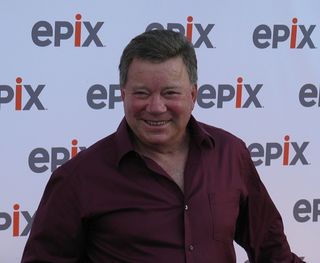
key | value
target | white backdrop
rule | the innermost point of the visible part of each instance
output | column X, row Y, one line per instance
column 276, row 56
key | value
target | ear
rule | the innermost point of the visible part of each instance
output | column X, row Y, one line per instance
column 122, row 93
column 194, row 92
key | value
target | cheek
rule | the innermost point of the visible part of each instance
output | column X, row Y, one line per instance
column 132, row 107
column 182, row 107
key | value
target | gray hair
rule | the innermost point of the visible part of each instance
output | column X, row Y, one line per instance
column 158, row 46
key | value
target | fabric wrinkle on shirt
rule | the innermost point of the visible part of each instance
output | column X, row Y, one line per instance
column 117, row 206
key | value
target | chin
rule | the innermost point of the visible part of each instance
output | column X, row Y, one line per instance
column 156, row 141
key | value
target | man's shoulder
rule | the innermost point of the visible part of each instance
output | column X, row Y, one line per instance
column 226, row 142
column 220, row 135
column 102, row 152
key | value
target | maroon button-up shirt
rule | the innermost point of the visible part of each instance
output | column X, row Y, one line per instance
column 109, row 204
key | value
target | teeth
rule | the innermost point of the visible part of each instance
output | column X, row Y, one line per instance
column 156, row 123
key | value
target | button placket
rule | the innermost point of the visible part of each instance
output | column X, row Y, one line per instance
column 191, row 248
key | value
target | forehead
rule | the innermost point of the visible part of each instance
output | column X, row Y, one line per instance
column 173, row 68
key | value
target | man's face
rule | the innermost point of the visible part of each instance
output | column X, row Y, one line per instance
column 158, row 100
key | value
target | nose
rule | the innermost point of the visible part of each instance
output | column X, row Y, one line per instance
column 156, row 104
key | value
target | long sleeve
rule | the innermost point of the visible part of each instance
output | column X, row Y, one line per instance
column 260, row 228
column 56, row 234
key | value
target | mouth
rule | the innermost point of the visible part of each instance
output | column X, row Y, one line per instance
column 156, row 123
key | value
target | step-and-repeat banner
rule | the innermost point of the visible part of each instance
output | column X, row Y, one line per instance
column 258, row 78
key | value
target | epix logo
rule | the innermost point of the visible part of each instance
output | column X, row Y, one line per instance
column 287, row 153
column 82, row 33
column 16, row 219
column 239, row 95
column 40, row 159
column 304, row 210
column 23, row 96
column 99, row 97
column 309, row 96
column 190, row 30
column 293, row 36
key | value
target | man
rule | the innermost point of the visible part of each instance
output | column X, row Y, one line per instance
column 163, row 187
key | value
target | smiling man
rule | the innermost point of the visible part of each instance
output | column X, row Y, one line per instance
column 158, row 100
column 162, row 188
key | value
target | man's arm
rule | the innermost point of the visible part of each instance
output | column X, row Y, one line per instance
column 56, row 234
column 259, row 227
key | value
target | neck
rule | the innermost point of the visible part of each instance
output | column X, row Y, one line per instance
column 152, row 150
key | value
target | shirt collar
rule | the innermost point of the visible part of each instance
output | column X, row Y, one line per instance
column 124, row 142
column 198, row 133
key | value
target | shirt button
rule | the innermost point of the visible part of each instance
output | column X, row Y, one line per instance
column 186, row 207
column 191, row 248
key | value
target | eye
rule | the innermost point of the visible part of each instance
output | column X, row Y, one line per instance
column 171, row 93
column 141, row 93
